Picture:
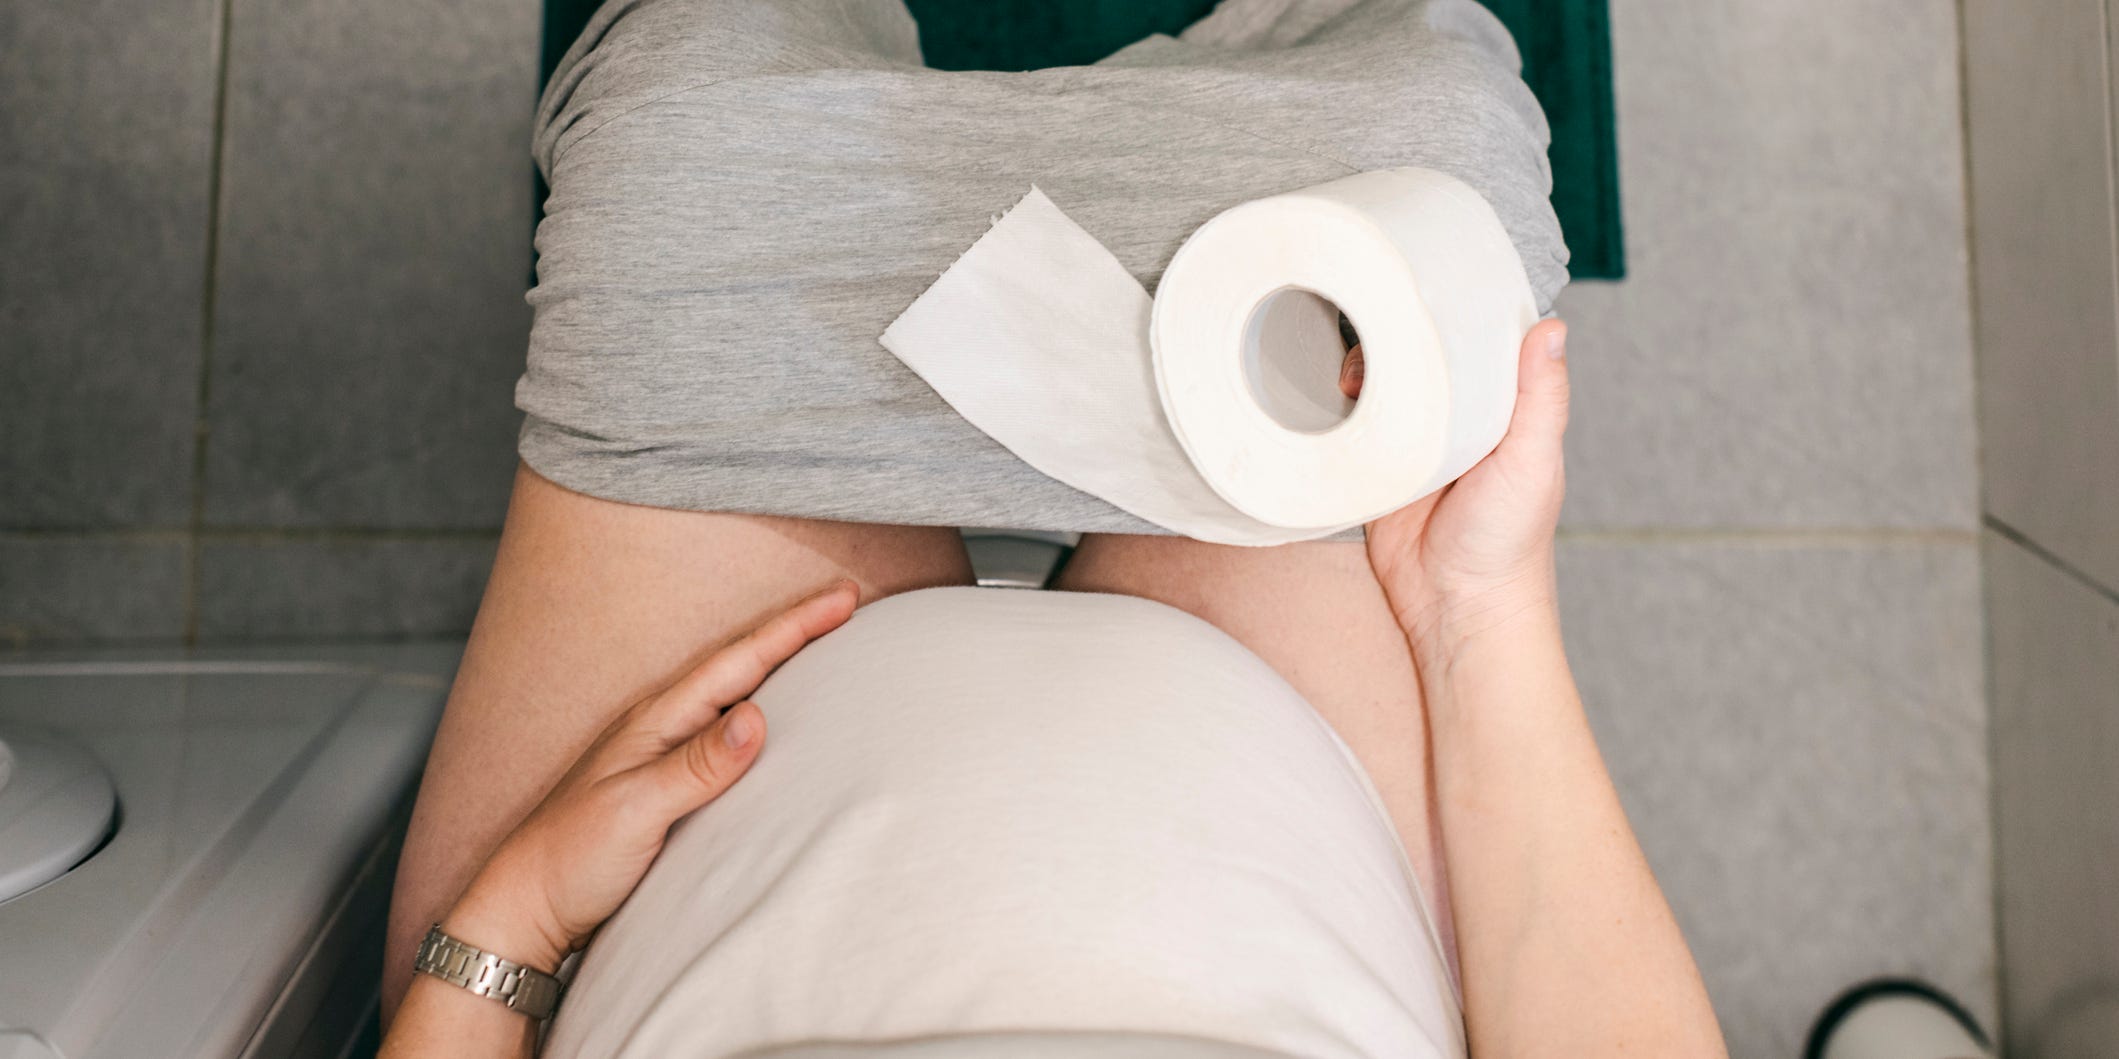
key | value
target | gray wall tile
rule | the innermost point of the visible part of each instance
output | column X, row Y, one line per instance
column 64, row 590
column 2056, row 786
column 1798, row 734
column 107, row 123
column 375, row 246
column 265, row 589
column 2038, row 105
column 1791, row 347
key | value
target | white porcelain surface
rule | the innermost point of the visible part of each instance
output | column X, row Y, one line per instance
column 251, row 788
column 55, row 807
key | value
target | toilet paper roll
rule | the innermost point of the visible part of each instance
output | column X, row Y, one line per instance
column 1213, row 408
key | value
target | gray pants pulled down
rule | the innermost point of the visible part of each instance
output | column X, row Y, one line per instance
column 746, row 192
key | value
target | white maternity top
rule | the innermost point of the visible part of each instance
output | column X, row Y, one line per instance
column 998, row 823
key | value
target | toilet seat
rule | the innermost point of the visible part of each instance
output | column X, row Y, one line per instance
column 56, row 807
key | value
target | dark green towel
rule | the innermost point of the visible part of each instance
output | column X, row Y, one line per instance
column 1566, row 47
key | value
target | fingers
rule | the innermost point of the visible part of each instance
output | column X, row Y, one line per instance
column 697, row 770
column 1350, row 372
column 736, row 670
column 1541, row 388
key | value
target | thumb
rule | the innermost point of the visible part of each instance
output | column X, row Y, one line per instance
column 701, row 768
column 1541, row 387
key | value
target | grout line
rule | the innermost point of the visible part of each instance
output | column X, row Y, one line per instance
column 202, row 429
column 19, row 650
column 1815, row 538
column 2111, row 136
column 1967, row 195
column 336, row 534
column 1990, row 693
column 15, row 645
column 135, row 534
column 253, row 534
column 2074, row 573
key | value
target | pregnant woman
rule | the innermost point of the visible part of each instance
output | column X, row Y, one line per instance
column 989, row 822
column 1327, row 799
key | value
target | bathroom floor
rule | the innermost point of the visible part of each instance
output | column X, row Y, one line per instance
column 1770, row 556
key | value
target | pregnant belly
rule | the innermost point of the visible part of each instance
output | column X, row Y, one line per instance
column 986, row 810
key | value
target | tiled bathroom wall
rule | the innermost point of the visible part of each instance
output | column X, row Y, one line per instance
column 261, row 272
column 2040, row 107
column 264, row 265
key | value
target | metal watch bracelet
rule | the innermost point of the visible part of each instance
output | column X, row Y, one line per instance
column 525, row 990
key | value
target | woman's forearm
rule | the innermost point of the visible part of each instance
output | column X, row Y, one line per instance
column 439, row 1019
column 554, row 880
column 1566, row 944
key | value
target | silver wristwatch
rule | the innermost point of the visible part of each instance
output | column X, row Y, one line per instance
column 523, row 989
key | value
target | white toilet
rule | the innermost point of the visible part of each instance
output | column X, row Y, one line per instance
column 196, row 848
column 57, row 806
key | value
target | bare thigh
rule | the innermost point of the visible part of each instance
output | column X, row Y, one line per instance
column 1315, row 613
column 591, row 606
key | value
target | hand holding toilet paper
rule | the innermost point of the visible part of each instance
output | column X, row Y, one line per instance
column 1213, row 408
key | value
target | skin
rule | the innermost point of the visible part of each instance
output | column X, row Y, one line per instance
column 1435, row 652
column 592, row 606
column 577, row 856
column 1566, row 944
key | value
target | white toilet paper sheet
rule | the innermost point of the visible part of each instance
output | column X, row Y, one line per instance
column 1212, row 409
